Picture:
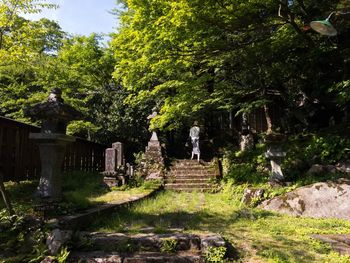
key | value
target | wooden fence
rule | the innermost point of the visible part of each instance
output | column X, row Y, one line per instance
column 20, row 158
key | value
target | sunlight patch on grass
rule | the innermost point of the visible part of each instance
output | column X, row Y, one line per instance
column 119, row 196
column 267, row 236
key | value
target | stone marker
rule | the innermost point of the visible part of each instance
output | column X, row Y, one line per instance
column 52, row 140
column 115, row 165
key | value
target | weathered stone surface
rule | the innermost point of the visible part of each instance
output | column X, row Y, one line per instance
column 141, row 257
column 338, row 242
column 250, row 194
column 211, row 241
column 141, row 248
column 144, row 242
column 343, row 167
column 317, row 169
column 57, row 239
column 95, row 257
column 52, row 148
column 151, row 257
column 320, row 200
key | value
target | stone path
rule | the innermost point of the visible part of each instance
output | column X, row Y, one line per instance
column 189, row 175
column 338, row 242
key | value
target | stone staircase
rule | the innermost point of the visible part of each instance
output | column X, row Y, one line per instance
column 142, row 248
column 191, row 175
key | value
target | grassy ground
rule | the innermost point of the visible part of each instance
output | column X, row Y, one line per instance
column 80, row 191
column 258, row 236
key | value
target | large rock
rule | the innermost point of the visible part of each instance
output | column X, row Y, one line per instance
column 321, row 200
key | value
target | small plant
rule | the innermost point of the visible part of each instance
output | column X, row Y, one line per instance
column 62, row 255
column 215, row 255
column 168, row 245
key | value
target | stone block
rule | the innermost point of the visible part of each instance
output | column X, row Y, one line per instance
column 57, row 239
column 111, row 160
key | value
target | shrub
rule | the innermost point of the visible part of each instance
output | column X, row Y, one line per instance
column 246, row 166
column 215, row 255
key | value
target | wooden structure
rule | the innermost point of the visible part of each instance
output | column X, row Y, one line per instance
column 20, row 159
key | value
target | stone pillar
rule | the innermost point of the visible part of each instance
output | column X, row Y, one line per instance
column 52, row 149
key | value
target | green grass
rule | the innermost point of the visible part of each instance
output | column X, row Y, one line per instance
column 79, row 191
column 257, row 235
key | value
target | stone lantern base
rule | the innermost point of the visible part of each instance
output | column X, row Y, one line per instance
column 52, row 149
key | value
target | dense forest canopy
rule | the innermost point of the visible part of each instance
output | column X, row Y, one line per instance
column 185, row 58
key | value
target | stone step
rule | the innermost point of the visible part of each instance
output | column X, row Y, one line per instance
column 190, row 176
column 140, row 242
column 194, row 168
column 193, row 189
column 190, row 163
column 204, row 172
column 191, row 173
column 188, row 180
column 140, row 257
column 187, row 185
column 118, row 247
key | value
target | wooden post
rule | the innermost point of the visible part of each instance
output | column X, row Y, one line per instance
column 5, row 196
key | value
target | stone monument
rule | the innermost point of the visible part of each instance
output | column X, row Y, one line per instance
column 276, row 154
column 52, row 140
column 115, row 165
column 154, row 161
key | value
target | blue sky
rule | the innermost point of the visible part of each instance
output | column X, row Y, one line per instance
column 82, row 16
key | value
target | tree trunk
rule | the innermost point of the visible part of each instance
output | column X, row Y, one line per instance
column 5, row 196
column 268, row 119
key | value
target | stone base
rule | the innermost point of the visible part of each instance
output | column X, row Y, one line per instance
column 114, row 181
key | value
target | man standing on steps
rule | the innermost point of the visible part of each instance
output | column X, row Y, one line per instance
column 194, row 134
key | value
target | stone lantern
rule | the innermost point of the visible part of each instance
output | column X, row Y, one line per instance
column 52, row 141
column 276, row 154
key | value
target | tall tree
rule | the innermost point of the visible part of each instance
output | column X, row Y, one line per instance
column 193, row 55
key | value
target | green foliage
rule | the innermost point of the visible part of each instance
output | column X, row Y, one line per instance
column 329, row 148
column 303, row 150
column 193, row 56
column 248, row 166
column 168, row 245
column 21, row 240
column 215, row 255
